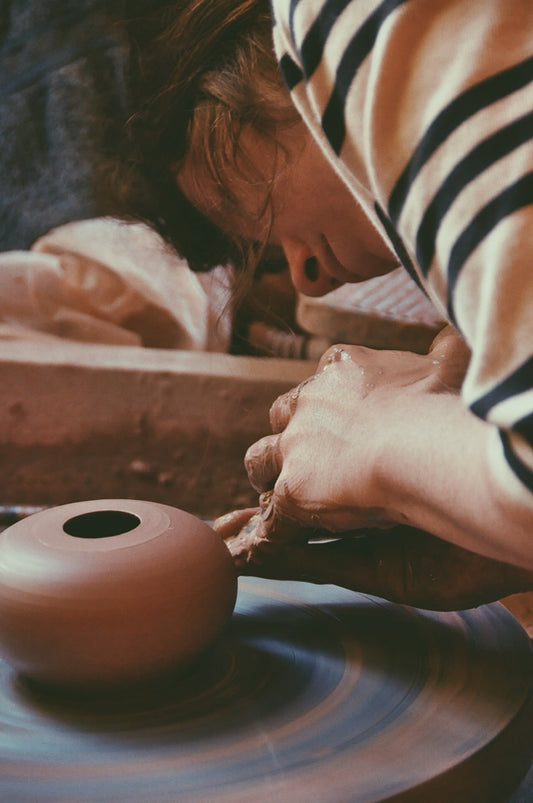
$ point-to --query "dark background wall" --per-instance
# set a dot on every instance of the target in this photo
(62, 104)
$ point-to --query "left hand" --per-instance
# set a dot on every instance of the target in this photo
(322, 463)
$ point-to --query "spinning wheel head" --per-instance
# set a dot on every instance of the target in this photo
(111, 591)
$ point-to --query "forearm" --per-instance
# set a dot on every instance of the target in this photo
(434, 472)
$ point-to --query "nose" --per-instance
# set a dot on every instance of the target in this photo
(307, 273)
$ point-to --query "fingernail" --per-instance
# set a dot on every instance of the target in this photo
(311, 268)
(267, 512)
(266, 505)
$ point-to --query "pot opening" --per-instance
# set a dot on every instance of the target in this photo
(101, 524)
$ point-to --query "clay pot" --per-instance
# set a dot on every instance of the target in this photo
(111, 592)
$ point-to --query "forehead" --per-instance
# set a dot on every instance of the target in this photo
(240, 188)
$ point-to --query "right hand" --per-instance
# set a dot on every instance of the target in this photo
(402, 564)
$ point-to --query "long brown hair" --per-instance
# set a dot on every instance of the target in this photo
(201, 71)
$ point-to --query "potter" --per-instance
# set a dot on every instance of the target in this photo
(340, 140)
(111, 592)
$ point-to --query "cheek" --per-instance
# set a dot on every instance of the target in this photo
(347, 220)
(363, 234)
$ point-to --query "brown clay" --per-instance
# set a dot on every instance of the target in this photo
(111, 592)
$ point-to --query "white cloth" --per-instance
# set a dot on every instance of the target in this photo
(106, 281)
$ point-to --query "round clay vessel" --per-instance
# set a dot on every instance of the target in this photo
(113, 591)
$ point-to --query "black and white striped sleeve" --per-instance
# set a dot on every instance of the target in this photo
(425, 108)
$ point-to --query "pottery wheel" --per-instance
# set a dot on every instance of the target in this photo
(313, 694)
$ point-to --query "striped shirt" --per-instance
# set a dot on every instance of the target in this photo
(425, 109)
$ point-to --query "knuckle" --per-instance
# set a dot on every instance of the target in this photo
(328, 354)
(278, 412)
(252, 455)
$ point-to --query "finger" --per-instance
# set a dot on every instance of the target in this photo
(257, 544)
(352, 561)
(263, 462)
(450, 355)
(245, 543)
(320, 563)
(284, 407)
(334, 355)
(250, 545)
(276, 525)
(231, 523)
(450, 344)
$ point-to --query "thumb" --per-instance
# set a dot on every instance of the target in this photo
(450, 356)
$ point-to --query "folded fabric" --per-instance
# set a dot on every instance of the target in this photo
(106, 281)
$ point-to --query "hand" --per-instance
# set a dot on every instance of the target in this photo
(322, 463)
(402, 564)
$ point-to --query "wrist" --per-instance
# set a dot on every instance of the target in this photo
(418, 464)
